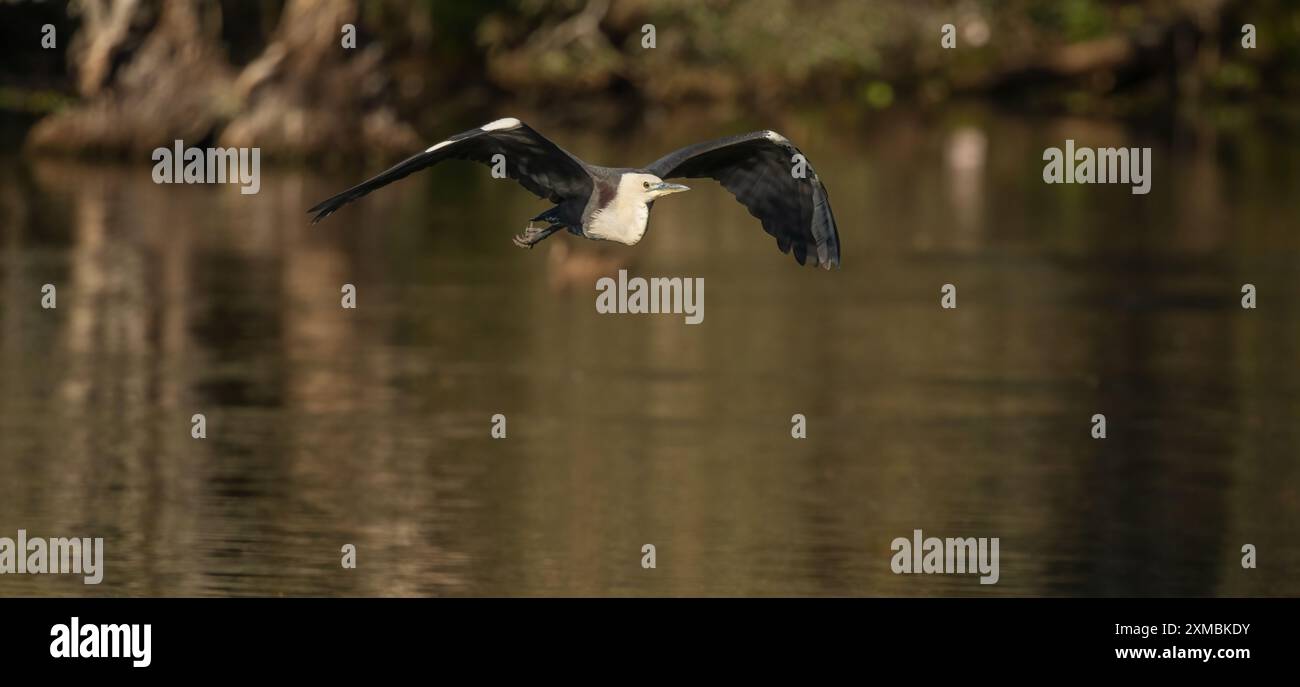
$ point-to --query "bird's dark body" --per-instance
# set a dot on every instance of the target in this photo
(574, 213)
(760, 169)
(568, 214)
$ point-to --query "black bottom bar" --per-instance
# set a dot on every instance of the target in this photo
(203, 637)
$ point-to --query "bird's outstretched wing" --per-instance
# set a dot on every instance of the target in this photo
(760, 170)
(530, 158)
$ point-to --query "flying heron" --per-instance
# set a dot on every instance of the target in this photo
(763, 170)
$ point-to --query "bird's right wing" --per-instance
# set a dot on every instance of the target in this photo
(530, 158)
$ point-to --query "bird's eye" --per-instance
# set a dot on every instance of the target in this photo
(645, 184)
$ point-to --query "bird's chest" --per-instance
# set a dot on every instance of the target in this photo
(622, 222)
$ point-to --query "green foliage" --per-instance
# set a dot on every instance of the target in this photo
(871, 54)
(1076, 20)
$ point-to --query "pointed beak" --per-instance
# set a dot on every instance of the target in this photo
(664, 188)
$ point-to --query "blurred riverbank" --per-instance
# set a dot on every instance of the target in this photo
(277, 74)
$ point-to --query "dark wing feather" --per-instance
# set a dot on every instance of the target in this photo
(757, 168)
(530, 158)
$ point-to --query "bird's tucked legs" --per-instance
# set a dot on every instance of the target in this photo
(532, 235)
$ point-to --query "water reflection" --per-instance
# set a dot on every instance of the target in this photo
(329, 426)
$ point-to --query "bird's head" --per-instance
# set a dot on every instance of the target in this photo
(649, 187)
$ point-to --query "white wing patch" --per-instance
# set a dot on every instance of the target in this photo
(507, 123)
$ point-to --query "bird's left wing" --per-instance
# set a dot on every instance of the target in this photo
(761, 170)
(530, 158)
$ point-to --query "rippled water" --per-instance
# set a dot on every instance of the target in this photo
(371, 427)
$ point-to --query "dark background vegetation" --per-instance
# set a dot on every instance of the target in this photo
(130, 72)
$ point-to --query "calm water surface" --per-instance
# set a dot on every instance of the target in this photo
(371, 427)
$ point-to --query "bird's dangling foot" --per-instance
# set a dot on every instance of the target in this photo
(532, 235)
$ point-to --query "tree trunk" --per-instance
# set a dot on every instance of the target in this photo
(308, 96)
(170, 89)
(304, 96)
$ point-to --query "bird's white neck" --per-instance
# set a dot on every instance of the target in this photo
(625, 218)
